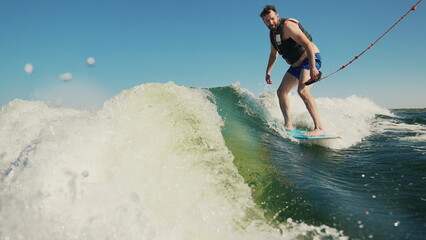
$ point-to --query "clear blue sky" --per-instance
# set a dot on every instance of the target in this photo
(204, 44)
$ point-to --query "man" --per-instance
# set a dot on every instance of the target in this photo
(294, 43)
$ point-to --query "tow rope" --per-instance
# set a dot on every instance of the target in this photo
(311, 81)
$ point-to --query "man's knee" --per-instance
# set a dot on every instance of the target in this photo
(304, 94)
(281, 92)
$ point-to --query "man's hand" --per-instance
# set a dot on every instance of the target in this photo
(268, 79)
(314, 73)
(314, 80)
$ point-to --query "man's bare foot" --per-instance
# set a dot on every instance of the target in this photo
(289, 128)
(315, 132)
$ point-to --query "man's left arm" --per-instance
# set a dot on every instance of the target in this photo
(299, 37)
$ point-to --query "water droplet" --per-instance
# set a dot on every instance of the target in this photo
(29, 68)
(90, 61)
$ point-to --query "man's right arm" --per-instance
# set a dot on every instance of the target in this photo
(272, 59)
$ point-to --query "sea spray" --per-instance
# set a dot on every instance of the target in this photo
(151, 164)
(194, 189)
(351, 117)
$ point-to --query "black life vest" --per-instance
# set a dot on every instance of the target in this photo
(288, 49)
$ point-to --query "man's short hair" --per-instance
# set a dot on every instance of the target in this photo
(267, 10)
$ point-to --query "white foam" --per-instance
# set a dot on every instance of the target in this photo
(351, 117)
(152, 164)
(417, 138)
(261, 107)
(390, 125)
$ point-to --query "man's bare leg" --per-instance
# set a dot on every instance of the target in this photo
(287, 84)
(309, 101)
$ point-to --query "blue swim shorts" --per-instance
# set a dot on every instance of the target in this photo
(295, 71)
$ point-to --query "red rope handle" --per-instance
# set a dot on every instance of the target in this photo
(368, 48)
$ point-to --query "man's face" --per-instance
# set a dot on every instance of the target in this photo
(271, 20)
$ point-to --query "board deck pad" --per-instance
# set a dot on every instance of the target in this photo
(298, 134)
